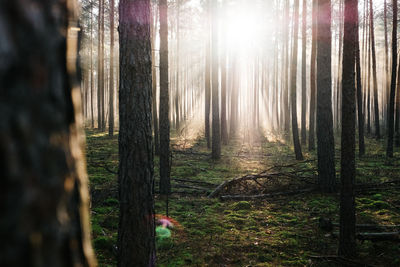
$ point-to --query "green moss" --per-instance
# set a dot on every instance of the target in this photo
(241, 205)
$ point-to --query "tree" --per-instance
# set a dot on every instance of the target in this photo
(216, 129)
(44, 185)
(100, 66)
(136, 243)
(375, 80)
(303, 75)
(165, 165)
(389, 151)
(154, 83)
(207, 79)
(311, 134)
(326, 150)
(293, 83)
(111, 96)
(347, 239)
(361, 120)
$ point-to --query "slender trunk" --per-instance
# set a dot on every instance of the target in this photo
(165, 164)
(303, 76)
(375, 79)
(311, 139)
(293, 83)
(361, 144)
(91, 68)
(216, 132)
(111, 92)
(100, 69)
(154, 24)
(389, 151)
(207, 78)
(325, 139)
(224, 130)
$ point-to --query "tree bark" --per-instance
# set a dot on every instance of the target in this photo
(304, 76)
(136, 242)
(44, 198)
(154, 83)
(311, 134)
(326, 149)
(165, 165)
(111, 92)
(293, 83)
(207, 86)
(389, 151)
(347, 240)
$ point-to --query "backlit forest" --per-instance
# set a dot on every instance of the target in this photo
(199, 133)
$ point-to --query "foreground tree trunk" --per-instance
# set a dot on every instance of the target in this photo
(136, 245)
(293, 84)
(43, 190)
(389, 151)
(165, 184)
(347, 239)
(326, 149)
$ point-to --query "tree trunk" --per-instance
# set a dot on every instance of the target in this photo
(311, 134)
(44, 198)
(389, 151)
(326, 149)
(111, 92)
(216, 134)
(293, 83)
(154, 24)
(207, 86)
(91, 67)
(347, 239)
(165, 165)
(361, 120)
(375, 80)
(100, 69)
(136, 232)
(224, 126)
(304, 76)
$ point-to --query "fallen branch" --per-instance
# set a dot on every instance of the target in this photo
(102, 166)
(194, 182)
(191, 187)
(262, 196)
(340, 260)
(371, 226)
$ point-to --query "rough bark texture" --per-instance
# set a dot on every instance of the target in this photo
(326, 153)
(389, 151)
(165, 169)
(311, 134)
(216, 129)
(111, 91)
(43, 187)
(293, 83)
(347, 240)
(136, 245)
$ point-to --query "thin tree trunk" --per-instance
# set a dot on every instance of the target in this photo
(154, 24)
(91, 67)
(111, 92)
(326, 149)
(216, 130)
(361, 144)
(304, 76)
(100, 69)
(293, 83)
(165, 164)
(136, 229)
(389, 151)
(375, 79)
(207, 78)
(311, 139)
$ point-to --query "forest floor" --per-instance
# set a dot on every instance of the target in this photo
(277, 231)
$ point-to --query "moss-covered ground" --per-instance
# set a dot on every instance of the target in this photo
(280, 231)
